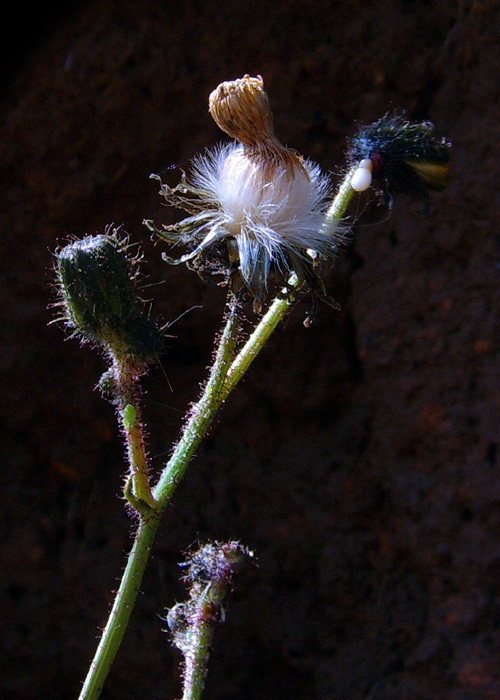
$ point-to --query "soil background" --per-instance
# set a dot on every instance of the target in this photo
(359, 459)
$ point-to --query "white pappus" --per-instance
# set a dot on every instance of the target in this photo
(271, 213)
(266, 200)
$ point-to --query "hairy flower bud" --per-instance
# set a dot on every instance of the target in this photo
(396, 155)
(96, 286)
(97, 289)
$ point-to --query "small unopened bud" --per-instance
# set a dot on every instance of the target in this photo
(97, 289)
(96, 286)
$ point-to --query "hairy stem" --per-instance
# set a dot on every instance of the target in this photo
(201, 634)
(137, 455)
(196, 427)
(122, 608)
(255, 343)
(339, 205)
(224, 377)
(202, 413)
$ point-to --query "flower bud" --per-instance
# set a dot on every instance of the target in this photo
(396, 155)
(97, 289)
(96, 286)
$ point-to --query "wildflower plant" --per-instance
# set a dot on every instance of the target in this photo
(266, 222)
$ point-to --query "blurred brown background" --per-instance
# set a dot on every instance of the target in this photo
(359, 458)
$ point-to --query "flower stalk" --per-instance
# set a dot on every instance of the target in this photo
(202, 415)
(140, 490)
(210, 573)
(228, 369)
(203, 412)
(122, 608)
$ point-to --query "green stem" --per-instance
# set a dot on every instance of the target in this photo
(137, 455)
(223, 379)
(202, 413)
(201, 635)
(201, 417)
(122, 608)
(339, 205)
(255, 343)
(126, 390)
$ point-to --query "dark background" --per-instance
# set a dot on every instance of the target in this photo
(359, 458)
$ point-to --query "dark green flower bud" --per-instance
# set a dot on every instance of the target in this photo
(97, 287)
(400, 156)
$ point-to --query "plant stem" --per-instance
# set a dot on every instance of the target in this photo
(224, 376)
(201, 416)
(339, 205)
(202, 413)
(126, 390)
(137, 459)
(122, 608)
(201, 635)
(255, 343)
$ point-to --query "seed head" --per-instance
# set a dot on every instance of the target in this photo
(265, 200)
(241, 109)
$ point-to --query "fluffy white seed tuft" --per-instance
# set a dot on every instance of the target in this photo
(284, 211)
